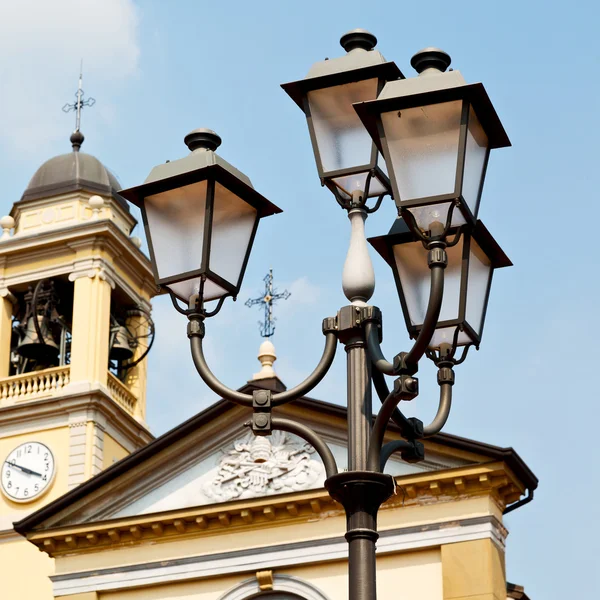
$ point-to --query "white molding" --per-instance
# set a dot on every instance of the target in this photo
(91, 403)
(281, 583)
(62, 245)
(10, 535)
(271, 557)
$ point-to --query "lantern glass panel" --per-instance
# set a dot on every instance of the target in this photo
(429, 213)
(423, 147)
(415, 278)
(176, 227)
(445, 335)
(232, 226)
(349, 183)
(186, 289)
(475, 157)
(480, 271)
(341, 138)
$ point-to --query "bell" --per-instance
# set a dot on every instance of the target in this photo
(120, 348)
(44, 350)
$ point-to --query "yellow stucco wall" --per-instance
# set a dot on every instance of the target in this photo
(112, 452)
(473, 570)
(407, 575)
(24, 571)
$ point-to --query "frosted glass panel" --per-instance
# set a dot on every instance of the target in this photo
(480, 270)
(476, 152)
(446, 336)
(411, 261)
(342, 139)
(349, 183)
(233, 221)
(176, 223)
(186, 289)
(429, 213)
(423, 147)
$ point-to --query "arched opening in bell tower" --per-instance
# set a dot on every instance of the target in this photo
(41, 325)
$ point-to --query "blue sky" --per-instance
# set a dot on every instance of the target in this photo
(160, 69)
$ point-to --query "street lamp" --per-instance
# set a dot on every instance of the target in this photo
(472, 258)
(435, 132)
(200, 215)
(347, 159)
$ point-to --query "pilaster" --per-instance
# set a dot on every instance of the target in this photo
(6, 310)
(77, 450)
(473, 570)
(137, 376)
(91, 327)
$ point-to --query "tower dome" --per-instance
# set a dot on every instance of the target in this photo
(72, 172)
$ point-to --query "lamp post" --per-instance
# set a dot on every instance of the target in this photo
(435, 133)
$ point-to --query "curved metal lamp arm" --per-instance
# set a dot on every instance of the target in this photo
(434, 306)
(374, 348)
(389, 449)
(389, 410)
(312, 437)
(383, 392)
(379, 428)
(442, 413)
(436, 294)
(196, 335)
(315, 377)
(209, 378)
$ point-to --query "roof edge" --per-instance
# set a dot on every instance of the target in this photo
(507, 455)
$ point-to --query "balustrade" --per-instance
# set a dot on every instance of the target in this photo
(34, 385)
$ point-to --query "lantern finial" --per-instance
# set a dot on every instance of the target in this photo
(202, 138)
(430, 58)
(358, 38)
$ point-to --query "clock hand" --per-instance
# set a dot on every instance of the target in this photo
(24, 469)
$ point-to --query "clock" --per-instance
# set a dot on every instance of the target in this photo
(27, 472)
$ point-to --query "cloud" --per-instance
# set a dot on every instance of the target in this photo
(41, 45)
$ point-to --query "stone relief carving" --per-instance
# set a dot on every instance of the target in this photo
(259, 466)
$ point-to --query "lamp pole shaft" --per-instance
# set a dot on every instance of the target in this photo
(361, 528)
(359, 402)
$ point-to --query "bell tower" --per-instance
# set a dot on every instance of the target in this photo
(75, 331)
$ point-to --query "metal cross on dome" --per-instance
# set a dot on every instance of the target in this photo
(271, 295)
(80, 102)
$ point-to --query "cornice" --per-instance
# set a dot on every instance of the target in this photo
(258, 561)
(94, 399)
(491, 479)
(102, 237)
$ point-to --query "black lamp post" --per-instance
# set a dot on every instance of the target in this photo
(435, 133)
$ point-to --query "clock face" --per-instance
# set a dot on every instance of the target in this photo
(27, 472)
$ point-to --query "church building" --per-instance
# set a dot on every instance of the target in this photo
(92, 507)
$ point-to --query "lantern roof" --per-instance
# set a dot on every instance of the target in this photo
(361, 62)
(400, 233)
(432, 87)
(194, 167)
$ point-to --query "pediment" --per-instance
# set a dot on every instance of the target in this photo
(212, 459)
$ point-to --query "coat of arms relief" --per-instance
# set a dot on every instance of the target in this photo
(259, 466)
